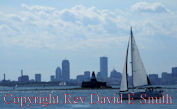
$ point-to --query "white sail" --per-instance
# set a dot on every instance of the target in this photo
(124, 81)
(138, 70)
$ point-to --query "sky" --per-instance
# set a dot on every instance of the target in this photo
(36, 35)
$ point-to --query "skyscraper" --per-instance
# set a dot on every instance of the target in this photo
(65, 70)
(58, 74)
(103, 68)
(37, 77)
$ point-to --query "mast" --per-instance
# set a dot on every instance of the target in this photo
(131, 35)
(127, 64)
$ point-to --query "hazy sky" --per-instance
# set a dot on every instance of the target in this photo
(36, 35)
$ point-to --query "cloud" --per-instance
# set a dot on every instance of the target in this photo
(80, 27)
(41, 26)
(38, 8)
(155, 7)
(68, 16)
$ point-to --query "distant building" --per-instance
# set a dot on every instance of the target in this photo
(154, 79)
(37, 77)
(166, 78)
(58, 74)
(21, 72)
(174, 70)
(98, 76)
(153, 76)
(65, 70)
(86, 75)
(31, 80)
(115, 75)
(103, 68)
(52, 78)
(174, 73)
(93, 83)
(23, 78)
(4, 77)
(80, 78)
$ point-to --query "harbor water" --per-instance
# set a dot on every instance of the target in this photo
(63, 98)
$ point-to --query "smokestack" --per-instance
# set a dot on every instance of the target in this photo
(21, 72)
(4, 76)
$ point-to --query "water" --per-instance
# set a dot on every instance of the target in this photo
(85, 94)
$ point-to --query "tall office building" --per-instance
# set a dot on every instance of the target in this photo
(58, 74)
(65, 70)
(37, 77)
(103, 68)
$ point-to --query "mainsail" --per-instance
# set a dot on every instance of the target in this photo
(138, 70)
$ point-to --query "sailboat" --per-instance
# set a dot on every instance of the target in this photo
(140, 79)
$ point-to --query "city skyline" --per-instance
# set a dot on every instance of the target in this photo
(37, 35)
(115, 77)
(64, 75)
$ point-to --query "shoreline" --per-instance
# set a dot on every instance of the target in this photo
(52, 89)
